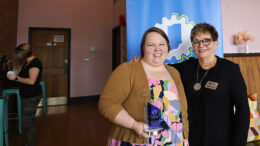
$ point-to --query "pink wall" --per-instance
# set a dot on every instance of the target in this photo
(91, 23)
(118, 9)
(237, 15)
(240, 15)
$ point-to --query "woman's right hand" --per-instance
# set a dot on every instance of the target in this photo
(138, 127)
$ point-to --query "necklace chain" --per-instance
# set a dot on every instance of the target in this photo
(197, 85)
(198, 75)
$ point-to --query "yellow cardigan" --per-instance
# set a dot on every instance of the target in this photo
(128, 88)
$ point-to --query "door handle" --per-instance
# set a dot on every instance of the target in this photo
(66, 66)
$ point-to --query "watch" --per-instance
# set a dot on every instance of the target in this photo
(16, 79)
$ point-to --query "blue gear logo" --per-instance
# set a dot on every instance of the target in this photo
(184, 48)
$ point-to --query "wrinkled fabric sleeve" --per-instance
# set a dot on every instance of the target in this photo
(115, 92)
(238, 93)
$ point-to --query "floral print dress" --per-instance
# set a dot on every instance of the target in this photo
(164, 95)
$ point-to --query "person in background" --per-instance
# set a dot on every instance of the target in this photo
(214, 87)
(132, 85)
(27, 72)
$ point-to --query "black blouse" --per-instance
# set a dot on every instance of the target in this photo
(27, 90)
(212, 119)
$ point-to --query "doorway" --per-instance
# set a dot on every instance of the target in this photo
(119, 52)
(52, 47)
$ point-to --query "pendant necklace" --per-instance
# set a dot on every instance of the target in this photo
(197, 85)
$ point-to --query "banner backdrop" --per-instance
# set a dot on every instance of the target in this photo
(176, 18)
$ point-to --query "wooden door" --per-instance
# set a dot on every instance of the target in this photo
(116, 48)
(51, 46)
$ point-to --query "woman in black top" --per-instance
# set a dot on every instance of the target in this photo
(214, 87)
(28, 70)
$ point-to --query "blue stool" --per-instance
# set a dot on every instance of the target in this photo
(1, 121)
(3, 116)
(7, 93)
(44, 98)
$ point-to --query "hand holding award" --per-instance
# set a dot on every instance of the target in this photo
(153, 119)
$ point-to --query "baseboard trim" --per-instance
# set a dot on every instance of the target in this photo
(83, 99)
(54, 101)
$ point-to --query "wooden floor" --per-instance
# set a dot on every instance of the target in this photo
(74, 125)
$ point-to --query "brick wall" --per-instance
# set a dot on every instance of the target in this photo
(8, 26)
(8, 34)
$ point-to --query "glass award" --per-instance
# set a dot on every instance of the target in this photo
(152, 119)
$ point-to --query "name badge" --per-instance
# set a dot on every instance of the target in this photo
(211, 85)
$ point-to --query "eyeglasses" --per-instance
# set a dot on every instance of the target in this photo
(205, 42)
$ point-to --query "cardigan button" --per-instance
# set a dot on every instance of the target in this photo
(145, 94)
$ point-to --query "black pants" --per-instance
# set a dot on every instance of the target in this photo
(29, 106)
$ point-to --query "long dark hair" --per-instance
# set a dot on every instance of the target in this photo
(20, 54)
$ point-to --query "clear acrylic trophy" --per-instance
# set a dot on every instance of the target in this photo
(152, 119)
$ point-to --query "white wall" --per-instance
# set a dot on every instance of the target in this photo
(240, 15)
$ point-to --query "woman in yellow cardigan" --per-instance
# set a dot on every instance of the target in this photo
(132, 85)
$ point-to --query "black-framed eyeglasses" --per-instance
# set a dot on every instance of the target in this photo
(205, 42)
